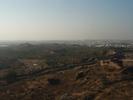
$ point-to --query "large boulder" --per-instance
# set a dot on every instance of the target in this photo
(53, 81)
(80, 75)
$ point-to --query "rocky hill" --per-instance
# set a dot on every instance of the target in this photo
(65, 72)
(86, 82)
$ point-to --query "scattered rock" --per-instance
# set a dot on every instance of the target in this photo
(128, 70)
(80, 75)
(54, 81)
(66, 96)
(127, 73)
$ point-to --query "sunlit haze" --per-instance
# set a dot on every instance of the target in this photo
(66, 19)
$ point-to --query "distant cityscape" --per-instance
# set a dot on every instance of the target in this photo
(89, 43)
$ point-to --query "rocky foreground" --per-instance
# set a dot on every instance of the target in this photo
(85, 82)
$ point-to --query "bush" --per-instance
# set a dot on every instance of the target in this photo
(11, 76)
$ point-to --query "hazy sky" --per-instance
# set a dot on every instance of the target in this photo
(66, 19)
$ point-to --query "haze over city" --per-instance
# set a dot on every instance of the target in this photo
(66, 49)
(66, 19)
